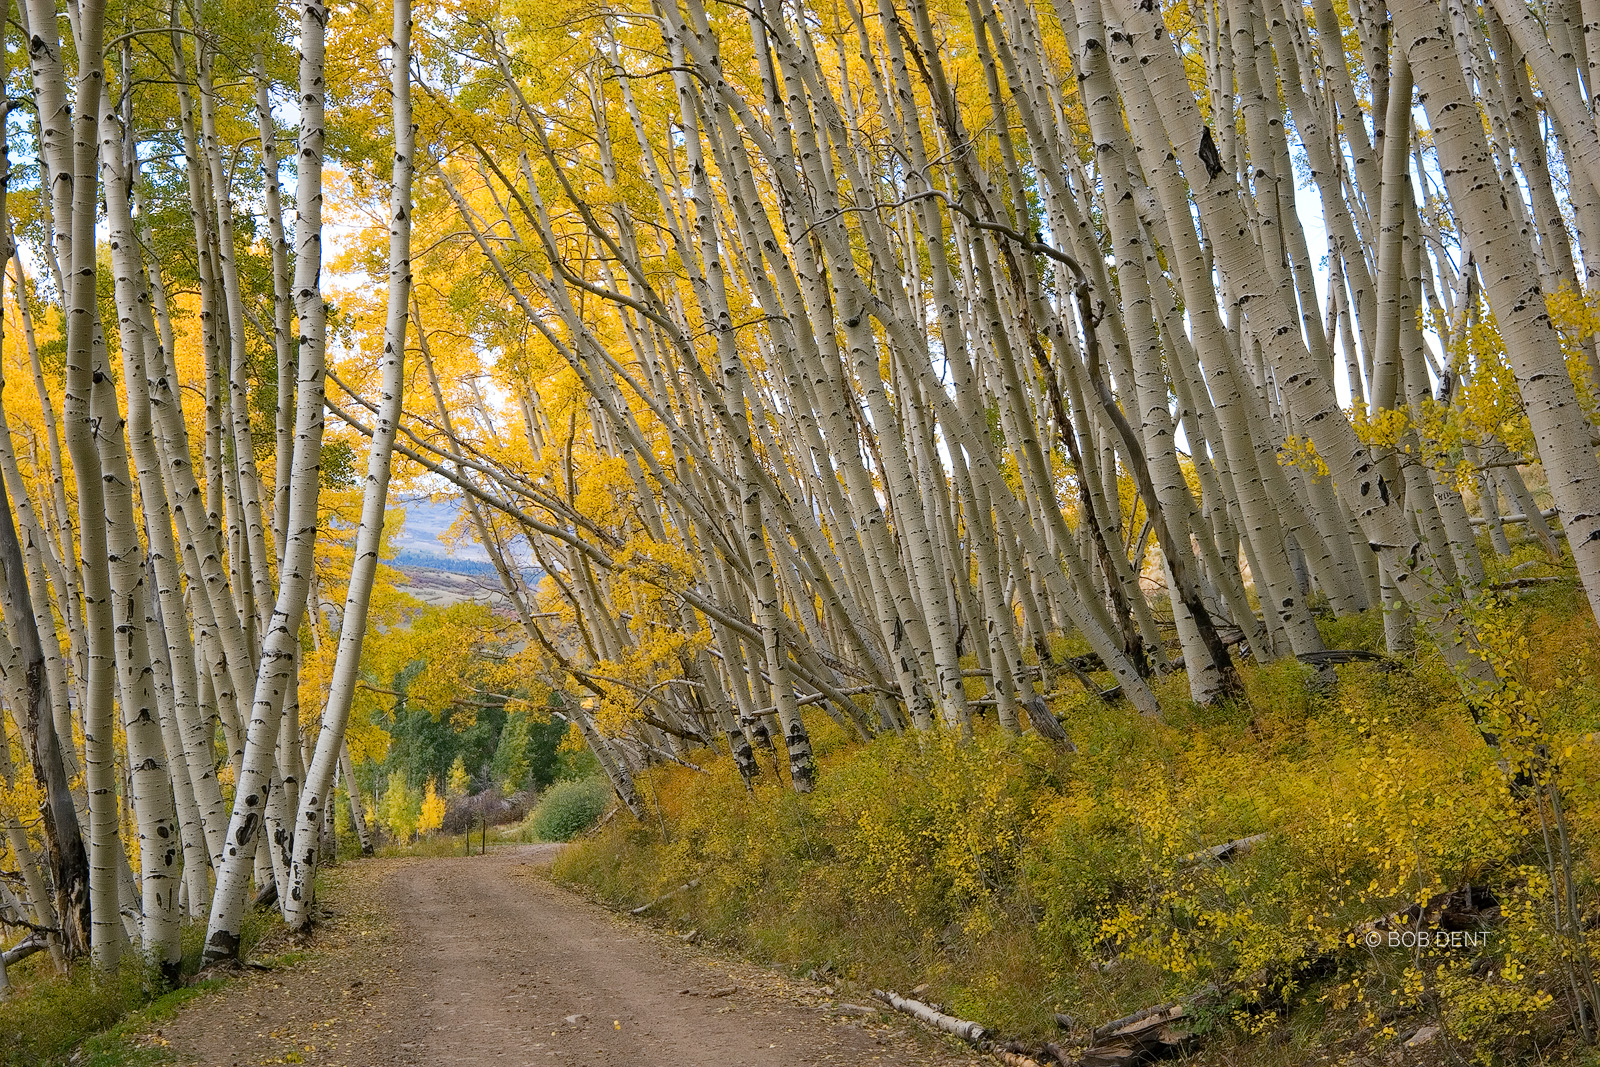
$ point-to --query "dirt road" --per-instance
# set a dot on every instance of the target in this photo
(474, 960)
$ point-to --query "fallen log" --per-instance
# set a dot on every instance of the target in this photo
(1139, 1022)
(1021, 1055)
(1548, 513)
(963, 1028)
(1110, 1056)
(1148, 1034)
(1466, 908)
(1224, 852)
(601, 825)
(1528, 583)
(34, 942)
(1057, 1053)
(1340, 655)
(664, 897)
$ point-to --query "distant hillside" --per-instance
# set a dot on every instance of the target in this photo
(442, 581)
(412, 558)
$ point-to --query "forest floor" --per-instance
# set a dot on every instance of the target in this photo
(480, 959)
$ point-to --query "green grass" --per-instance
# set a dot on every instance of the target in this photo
(434, 844)
(125, 1044)
(437, 843)
(50, 1016)
(101, 1017)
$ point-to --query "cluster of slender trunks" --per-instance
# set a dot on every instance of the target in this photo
(168, 603)
(925, 339)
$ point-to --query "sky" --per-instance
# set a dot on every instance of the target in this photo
(426, 527)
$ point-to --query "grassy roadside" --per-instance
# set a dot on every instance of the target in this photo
(52, 1016)
(112, 1020)
(1012, 880)
(129, 1043)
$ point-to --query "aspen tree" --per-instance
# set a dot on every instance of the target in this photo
(375, 494)
(254, 798)
(75, 186)
(26, 670)
(1510, 282)
(149, 774)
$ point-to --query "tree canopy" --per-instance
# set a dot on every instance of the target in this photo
(899, 366)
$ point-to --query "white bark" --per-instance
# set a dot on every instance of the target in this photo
(149, 772)
(1511, 283)
(75, 185)
(253, 793)
(375, 495)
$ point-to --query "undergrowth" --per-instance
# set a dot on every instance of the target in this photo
(568, 809)
(1015, 879)
(90, 1019)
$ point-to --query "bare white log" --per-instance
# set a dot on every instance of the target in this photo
(965, 1029)
(664, 897)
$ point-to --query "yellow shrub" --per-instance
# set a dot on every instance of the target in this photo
(1017, 878)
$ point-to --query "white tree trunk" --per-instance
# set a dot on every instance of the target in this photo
(253, 793)
(375, 496)
(1510, 279)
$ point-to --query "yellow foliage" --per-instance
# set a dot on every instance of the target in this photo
(572, 742)
(1002, 871)
(1298, 451)
(1577, 319)
(400, 809)
(431, 814)
(459, 781)
(21, 796)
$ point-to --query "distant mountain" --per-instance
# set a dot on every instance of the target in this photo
(427, 526)
(441, 570)
(410, 559)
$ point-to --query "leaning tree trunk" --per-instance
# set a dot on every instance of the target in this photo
(369, 535)
(1267, 313)
(253, 793)
(358, 814)
(63, 839)
(1511, 282)
(82, 326)
(149, 773)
